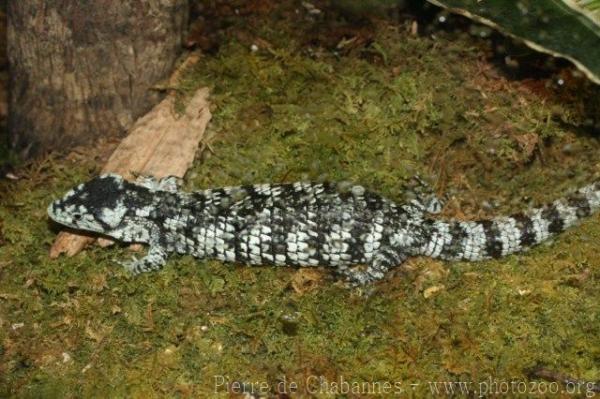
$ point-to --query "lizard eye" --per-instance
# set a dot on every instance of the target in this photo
(77, 216)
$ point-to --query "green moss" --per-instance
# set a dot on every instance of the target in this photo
(289, 112)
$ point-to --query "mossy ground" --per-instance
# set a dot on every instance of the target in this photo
(375, 112)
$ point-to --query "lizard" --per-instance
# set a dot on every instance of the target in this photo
(359, 233)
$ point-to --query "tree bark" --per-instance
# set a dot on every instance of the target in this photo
(80, 70)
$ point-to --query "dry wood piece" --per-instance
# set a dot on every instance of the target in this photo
(161, 143)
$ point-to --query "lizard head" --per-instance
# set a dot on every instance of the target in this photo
(97, 206)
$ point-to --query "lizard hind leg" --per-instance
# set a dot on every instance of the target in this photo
(383, 260)
(425, 199)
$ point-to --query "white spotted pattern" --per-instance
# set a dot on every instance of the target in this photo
(300, 224)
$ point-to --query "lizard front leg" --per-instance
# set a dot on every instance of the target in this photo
(169, 183)
(154, 260)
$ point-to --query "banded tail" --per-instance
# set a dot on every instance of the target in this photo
(478, 240)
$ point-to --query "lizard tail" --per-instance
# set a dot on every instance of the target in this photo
(485, 239)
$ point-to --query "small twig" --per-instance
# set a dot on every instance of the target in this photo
(204, 144)
(551, 375)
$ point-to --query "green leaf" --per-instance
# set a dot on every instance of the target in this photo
(562, 28)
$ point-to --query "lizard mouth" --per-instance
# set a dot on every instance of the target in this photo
(52, 210)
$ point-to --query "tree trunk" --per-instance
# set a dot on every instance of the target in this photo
(84, 69)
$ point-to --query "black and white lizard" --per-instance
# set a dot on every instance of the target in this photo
(358, 233)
